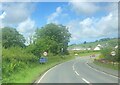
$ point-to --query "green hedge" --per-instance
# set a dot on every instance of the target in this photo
(15, 59)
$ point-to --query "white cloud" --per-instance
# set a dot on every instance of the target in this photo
(87, 8)
(53, 16)
(27, 28)
(95, 27)
(16, 12)
(106, 26)
(2, 16)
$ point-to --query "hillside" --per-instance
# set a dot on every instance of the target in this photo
(110, 42)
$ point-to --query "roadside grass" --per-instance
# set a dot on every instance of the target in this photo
(88, 53)
(84, 53)
(33, 71)
(109, 65)
(105, 64)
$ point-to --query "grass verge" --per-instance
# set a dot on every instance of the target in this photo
(88, 53)
(109, 65)
(84, 53)
(32, 72)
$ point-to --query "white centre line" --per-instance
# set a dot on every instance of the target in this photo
(85, 80)
(77, 73)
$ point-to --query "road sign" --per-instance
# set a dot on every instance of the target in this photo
(113, 53)
(45, 53)
(43, 60)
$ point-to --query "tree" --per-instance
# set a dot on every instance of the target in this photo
(53, 38)
(84, 42)
(104, 39)
(11, 37)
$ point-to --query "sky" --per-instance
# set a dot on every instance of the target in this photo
(87, 21)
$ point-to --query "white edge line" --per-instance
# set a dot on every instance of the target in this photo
(85, 80)
(100, 71)
(77, 73)
(45, 74)
(74, 65)
(50, 70)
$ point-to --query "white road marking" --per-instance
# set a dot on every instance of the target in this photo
(77, 73)
(100, 71)
(45, 74)
(74, 69)
(85, 80)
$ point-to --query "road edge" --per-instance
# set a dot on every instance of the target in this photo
(46, 71)
(102, 71)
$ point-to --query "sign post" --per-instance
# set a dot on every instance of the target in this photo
(43, 59)
(45, 53)
(113, 54)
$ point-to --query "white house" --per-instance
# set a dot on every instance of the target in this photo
(99, 45)
(97, 48)
(88, 48)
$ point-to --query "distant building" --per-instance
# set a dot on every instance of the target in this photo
(88, 48)
(99, 45)
(76, 48)
(97, 48)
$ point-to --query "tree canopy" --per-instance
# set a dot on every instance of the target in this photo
(11, 37)
(52, 38)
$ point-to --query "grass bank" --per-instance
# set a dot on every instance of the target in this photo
(84, 53)
(107, 65)
(31, 72)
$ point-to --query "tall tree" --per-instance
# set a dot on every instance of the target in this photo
(55, 38)
(84, 42)
(11, 37)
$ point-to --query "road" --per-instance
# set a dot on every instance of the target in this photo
(76, 71)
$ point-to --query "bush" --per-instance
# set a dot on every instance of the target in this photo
(106, 52)
(16, 59)
(17, 53)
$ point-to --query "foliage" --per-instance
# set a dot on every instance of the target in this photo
(84, 42)
(84, 52)
(52, 38)
(106, 52)
(15, 59)
(21, 66)
(16, 56)
(107, 65)
(112, 42)
(10, 37)
(104, 39)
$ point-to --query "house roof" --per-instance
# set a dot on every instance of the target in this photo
(97, 48)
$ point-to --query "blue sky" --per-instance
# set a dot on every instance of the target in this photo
(88, 21)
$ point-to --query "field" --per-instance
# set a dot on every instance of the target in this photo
(112, 42)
